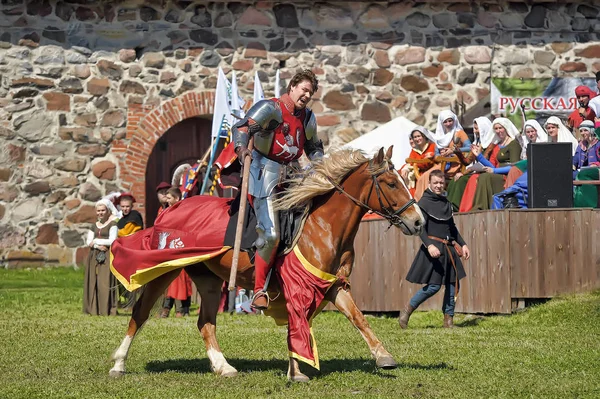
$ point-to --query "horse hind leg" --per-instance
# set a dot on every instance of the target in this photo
(141, 311)
(342, 299)
(209, 288)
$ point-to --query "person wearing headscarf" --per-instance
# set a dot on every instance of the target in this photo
(449, 137)
(420, 158)
(484, 148)
(100, 294)
(131, 221)
(533, 132)
(492, 181)
(584, 94)
(586, 153)
(449, 134)
(586, 162)
(438, 260)
(559, 133)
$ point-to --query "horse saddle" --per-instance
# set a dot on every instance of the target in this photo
(291, 222)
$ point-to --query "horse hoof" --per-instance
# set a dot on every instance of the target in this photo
(298, 378)
(229, 373)
(386, 363)
(116, 373)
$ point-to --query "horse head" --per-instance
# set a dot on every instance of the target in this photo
(387, 195)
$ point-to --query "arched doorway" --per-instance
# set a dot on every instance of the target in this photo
(184, 142)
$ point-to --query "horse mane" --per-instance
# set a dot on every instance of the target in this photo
(314, 182)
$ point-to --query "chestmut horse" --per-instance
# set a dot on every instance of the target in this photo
(341, 189)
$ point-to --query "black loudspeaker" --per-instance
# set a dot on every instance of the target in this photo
(550, 175)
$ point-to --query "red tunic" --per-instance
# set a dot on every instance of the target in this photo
(181, 287)
(289, 136)
(575, 118)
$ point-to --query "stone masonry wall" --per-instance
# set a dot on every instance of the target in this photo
(86, 88)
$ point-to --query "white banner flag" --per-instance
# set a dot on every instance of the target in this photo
(277, 87)
(237, 103)
(222, 118)
(258, 90)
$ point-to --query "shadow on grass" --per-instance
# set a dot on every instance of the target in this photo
(247, 365)
(472, 322)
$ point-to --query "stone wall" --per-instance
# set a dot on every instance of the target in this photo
(86, 88)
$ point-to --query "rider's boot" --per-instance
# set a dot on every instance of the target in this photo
(260, 301)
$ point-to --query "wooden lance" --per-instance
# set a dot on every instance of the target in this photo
(241, 217)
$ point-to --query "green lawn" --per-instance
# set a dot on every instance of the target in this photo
(49, 349)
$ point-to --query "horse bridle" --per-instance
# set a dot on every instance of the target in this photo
(389, 214)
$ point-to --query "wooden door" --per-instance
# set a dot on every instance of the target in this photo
(185, 142)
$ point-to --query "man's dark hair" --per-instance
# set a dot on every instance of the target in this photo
(597, 76)
(175, 192)
(308, 75)
(437, 173)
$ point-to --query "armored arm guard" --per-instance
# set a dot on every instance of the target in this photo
(264, 115)
(313, 146)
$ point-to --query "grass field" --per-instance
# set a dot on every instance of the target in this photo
(49, 349)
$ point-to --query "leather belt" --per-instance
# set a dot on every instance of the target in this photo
(458, 250)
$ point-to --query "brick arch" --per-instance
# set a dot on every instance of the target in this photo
(145, 125)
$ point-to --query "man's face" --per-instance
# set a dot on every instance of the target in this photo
(436, 184)
(301, 94)
(583, 100)
(162, 196)
(126, 206)
(170, 199)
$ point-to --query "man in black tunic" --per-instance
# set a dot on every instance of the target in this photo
(438, 260)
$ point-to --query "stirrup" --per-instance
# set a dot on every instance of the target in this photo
(261, 294)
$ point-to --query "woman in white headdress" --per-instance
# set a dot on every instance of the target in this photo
(533, 132)
(449, 135)
(509, 152)
(559, 133)
(100, 293)
(484, 151)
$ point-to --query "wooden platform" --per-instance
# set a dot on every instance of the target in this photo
(516, 255)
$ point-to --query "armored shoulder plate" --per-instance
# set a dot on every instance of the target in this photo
(266, 114)
(310, 125)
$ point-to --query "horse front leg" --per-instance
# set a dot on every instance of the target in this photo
(141, 311)
(209, 288)
(342, 299)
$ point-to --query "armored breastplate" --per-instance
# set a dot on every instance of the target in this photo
(286, 142)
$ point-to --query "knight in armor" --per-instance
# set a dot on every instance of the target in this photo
(283, 128)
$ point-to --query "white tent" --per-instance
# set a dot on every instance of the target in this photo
(395, 133)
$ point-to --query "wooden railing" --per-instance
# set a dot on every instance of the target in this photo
(515, 255)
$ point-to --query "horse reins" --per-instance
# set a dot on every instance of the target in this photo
(391, 215)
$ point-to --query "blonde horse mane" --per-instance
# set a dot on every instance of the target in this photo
(314, 182)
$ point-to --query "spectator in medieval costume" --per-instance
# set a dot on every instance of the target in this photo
(283, 129)
(584, 94)
(559, 133)
(161, 193)
(533, 132)
(449, 136)
(438, 261)
(586, 153)
(492, 180)
(483, 149)
(100, 293)
(422, 150)
(586, 196)
(131, 221)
